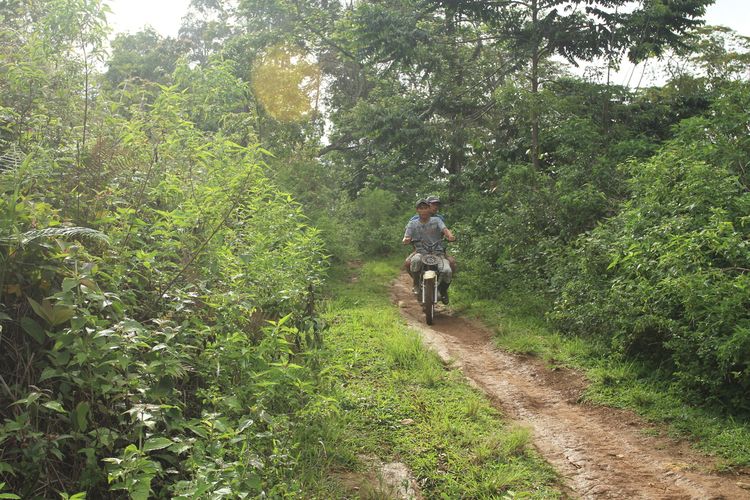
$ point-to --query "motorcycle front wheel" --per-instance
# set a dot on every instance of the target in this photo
(428, 304)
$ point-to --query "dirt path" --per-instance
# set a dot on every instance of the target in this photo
(599, 452)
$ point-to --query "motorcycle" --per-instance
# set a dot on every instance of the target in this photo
(429, 277)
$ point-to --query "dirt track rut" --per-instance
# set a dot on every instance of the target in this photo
(599, 452)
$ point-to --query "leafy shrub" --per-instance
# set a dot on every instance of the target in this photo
(379, 220)
(156, 318)
(667, 278)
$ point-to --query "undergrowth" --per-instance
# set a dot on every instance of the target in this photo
(399, 403)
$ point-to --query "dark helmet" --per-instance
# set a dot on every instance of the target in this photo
(433, 199)
(421, 202)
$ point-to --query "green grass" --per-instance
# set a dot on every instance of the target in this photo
(518, 320)
(399, 403)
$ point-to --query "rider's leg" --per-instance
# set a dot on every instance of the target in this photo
(446, 276)
(415, 268)
(452, 262)
(407, 260)
(414, 283)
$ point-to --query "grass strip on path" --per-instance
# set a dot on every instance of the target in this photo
(400, 404)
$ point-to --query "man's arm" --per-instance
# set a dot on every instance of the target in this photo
(444, 229)
(408, 233)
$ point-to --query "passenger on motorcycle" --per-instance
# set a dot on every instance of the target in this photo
(426, 234)
(435, 204)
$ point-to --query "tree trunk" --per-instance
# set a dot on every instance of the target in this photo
(534, 77)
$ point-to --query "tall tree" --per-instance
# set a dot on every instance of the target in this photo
(584, 30)
(145, 56)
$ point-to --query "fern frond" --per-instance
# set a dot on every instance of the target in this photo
(10, 158)
(74, 232)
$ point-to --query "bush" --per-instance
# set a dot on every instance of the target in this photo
(379, 220)
(668, 278)
(137, 350)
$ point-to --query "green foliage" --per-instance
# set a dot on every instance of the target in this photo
(719, 54)
(48, 53)
(379, 220)
(200, 284)
(143, 57)
(157, 290)
(666, 279)
(217, 100)
(400, 403)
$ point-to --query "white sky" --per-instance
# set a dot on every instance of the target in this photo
(734, 14)
(165, 15)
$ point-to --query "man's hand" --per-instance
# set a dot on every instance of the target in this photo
(406, 240)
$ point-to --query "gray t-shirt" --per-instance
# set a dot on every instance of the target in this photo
(427, 237)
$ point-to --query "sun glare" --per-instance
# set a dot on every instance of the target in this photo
(286, 83)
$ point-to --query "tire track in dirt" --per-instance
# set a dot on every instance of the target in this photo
(599, 452)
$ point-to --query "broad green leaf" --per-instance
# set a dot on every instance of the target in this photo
(197, 429)
(32, 397)
(54, 405)
(68, 284)
(180, 448)
(33, 328)
(77, 322)
(48, 373)
(91, 284)
(80, 414)
(6, 468)
(52, 314)
(141, 489)
(62, 313)
(43, 310)
(283, 320)
(614, 262)
(157, 443)
(254, 481)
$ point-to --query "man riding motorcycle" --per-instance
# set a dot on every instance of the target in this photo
(435, 204)
(426, 233)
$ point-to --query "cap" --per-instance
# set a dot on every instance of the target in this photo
(422, 202)
(433, 199)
